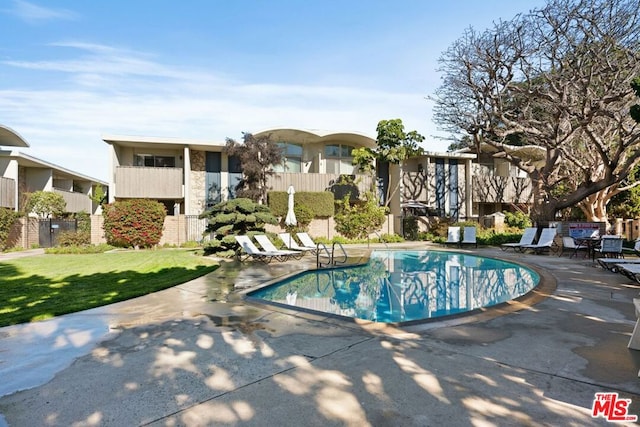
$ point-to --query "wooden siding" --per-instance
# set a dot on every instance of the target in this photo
(312, 181)
(500, 189)
(7, 193)
(76, 202)
(150, 183)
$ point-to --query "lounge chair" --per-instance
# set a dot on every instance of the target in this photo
(306, 240)
(527, 239)
(469, 236)
(610, 247)
(268, 246)
(453, 236)
(252, 251)
(546, 241)
(291, 244)
(611, 264)
(631, 270)
(569, 244)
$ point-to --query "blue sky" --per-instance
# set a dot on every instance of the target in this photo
(74, 70)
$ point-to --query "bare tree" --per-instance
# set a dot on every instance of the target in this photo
(558, 78)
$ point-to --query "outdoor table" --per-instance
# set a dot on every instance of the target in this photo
(591, 243)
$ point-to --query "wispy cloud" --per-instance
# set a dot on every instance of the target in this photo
(116, 91)
(33, 13)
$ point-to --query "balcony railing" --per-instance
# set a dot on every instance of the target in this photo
(151, 183)
(500, 189)
(7, 193)
(76, 202)
(313, 181)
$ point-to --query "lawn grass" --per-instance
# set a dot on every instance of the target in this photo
(40, 287)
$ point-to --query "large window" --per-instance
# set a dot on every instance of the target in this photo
(292, 158)
(151, 160)
(339, 159)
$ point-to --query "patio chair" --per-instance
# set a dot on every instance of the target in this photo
(469, 236)
(306, 240)
(527, 239)
(252, 251)
(291, 244)
(453, 236)
(569, 244)
(610, 247)
(268, 246)
(546, 241)
(635, 250)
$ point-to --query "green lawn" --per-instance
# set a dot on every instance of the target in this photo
(40, 287)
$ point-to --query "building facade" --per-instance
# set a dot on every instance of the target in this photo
(22, 173)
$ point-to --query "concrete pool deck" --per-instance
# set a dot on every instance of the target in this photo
(195, 355)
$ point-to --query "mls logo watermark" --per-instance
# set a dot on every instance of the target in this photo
(610, 407)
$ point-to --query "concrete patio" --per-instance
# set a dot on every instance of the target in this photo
(196, 355)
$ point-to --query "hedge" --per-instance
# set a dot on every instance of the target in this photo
(321, 202)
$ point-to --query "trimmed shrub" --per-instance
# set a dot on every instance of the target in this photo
(74, 238)
(134, 223)
(237, 217)
(321, 203)
(7, 219)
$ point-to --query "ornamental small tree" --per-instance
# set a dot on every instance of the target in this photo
(134, 223)
(359, 220)
(237, 217)
(45, 204)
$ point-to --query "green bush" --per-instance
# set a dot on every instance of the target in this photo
(517, 219)
(7, 219)
(134, 223)
(360, 219)
(74, 238)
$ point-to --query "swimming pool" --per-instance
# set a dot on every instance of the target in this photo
(403, 286)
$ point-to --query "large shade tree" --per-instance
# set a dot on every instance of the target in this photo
(557, 78)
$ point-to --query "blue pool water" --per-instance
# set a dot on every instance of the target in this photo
(403, 286)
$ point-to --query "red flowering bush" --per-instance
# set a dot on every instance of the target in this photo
(134, 223)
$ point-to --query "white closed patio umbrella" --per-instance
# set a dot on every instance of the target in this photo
(290, 219)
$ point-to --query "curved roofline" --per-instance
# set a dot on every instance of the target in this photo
(11, 138)
(364, 139)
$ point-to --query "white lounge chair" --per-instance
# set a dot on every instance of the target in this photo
(306, 240)
(453, 236)
(569, 244)
(469, 236)
(252, 251)
(290, 243)
(546, 241)
(527, 239)
(268, 246)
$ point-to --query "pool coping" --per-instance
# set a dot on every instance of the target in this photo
(545, 288)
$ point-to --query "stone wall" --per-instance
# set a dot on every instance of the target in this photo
(197, 182)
